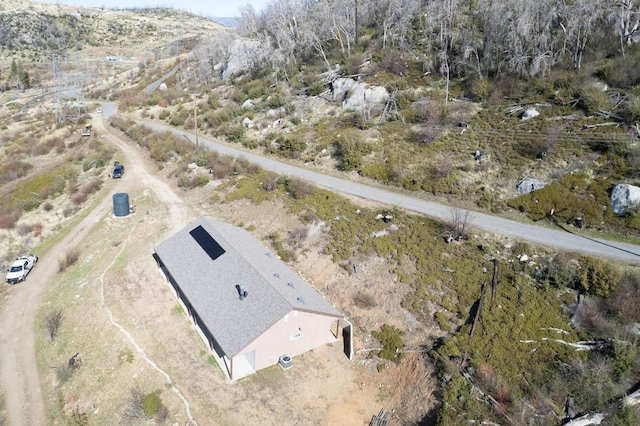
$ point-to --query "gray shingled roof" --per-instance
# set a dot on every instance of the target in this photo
(273, 289)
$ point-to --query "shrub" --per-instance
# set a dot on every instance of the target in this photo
(78, 418)
(625, 416)
(24, 229)
(53, 320)
(192, 181)
(152, 404)
(270, 181)
(9, 218)
(256, 88)
(30, 204)
(125, 356)
(64, 372)
(391, 339)
(276, 100)
(291, 146)
(234, 133)
(479, 89)
(178, 117)
(14, 170)
(597, 277)
(442, 321)
(278, 246)
(164, 114)
(593, 100)
(70, 258)
(79, 198)
(297, 236)
(393, 62)
(380, 171)
(622, 357)
(316, 88)
(69, 211)
(364, 300)
(37, 229)
(623, 303)
(299, 188)
(350, 148)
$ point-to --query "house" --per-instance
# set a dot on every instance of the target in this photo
(249, 307)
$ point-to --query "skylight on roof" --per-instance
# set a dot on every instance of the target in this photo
(206, 241)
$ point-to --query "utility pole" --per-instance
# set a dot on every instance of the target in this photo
(195, 117)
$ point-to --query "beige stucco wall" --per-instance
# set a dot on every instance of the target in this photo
(296, 333)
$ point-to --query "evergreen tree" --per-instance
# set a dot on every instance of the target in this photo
(14, 69)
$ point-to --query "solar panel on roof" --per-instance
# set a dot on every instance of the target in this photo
(206, 241)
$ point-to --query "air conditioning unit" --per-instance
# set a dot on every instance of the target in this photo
(285, 362)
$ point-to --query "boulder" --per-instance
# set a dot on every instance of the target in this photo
(529, 113)
(528, 185)
(248, 104)
(356, 95)
(623, 197)
(276, 112)
(243, 54)
(247, 123)
(162, 87)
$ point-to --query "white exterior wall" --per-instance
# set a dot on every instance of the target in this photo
(296, 333)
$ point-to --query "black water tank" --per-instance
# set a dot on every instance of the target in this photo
(121, 204)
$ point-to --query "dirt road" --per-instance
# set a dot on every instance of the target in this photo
(557, 238)
(18, 373)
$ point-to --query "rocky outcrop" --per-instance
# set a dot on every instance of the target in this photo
(356, 96)
(244, 54)
(624, 197)
(529, 113)
(527, 185)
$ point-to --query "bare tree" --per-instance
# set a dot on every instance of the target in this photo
(395, 18)
(459, 223)
(343, 25)
(520, 35)
(578, 22)
(132, 409)
(53, 320)
(627, 20)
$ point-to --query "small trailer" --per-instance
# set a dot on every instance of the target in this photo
(87, 129)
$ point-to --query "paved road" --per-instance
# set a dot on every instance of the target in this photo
(559, 239)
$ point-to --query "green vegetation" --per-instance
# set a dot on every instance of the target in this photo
(125, 356)
(152, 404)
(520, 355)
(391, 339)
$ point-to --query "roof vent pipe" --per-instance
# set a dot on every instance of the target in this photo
(241, 291)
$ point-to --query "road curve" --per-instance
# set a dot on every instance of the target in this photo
(559, 239)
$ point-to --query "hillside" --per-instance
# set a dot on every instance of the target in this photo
(476, 328)
(32, 31)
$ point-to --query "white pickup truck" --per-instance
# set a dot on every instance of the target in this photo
(20, 268)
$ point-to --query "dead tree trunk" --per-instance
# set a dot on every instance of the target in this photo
(494, 283)
(477, 317)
